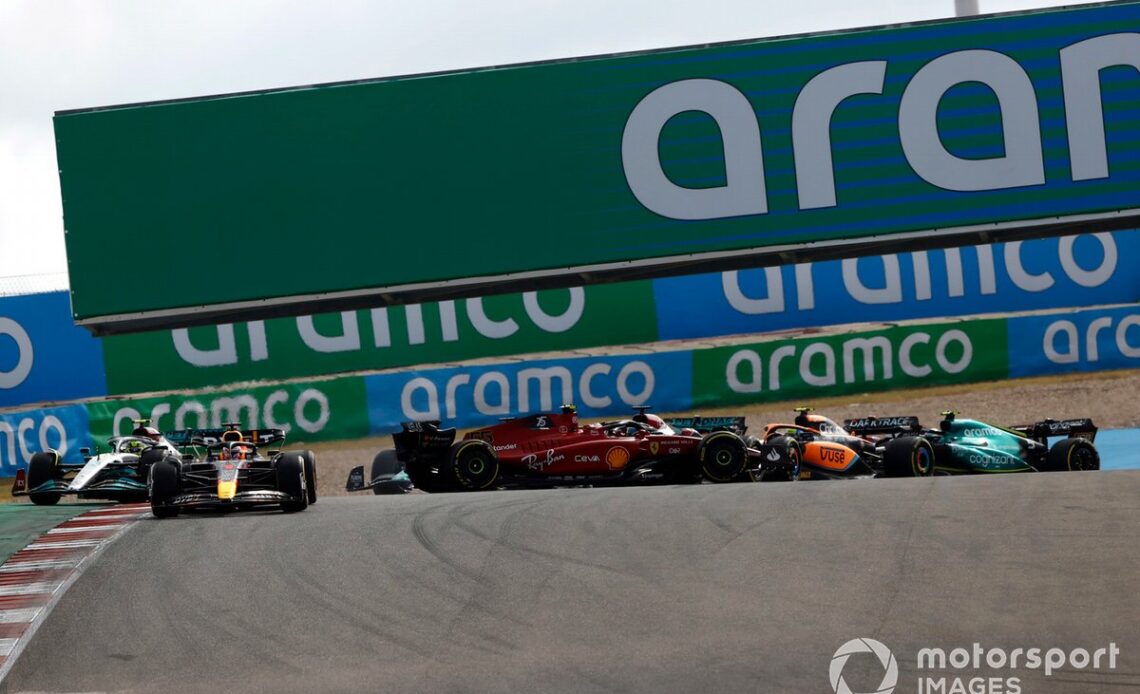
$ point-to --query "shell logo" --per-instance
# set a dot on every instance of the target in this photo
(617, 457)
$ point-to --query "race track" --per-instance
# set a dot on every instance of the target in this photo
(672, 589)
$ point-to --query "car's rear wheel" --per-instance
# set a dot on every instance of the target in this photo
(723, 457)
(473, 465)
(291, 481)
(790, 471)
(908, 456)
(42, 468)
(1071, 454)
(165, 483)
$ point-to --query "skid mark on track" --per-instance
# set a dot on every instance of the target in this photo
(500, 540)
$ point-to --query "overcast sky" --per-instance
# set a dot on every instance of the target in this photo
(65, 54)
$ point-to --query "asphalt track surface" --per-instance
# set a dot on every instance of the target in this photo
(741, 588)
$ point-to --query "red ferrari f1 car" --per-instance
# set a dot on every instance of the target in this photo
(555, 450)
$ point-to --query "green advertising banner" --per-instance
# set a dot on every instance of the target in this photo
(313, 411)
(446, 185)
(822, 366)
(381, 338)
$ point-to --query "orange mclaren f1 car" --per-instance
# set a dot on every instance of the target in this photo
(827, 450)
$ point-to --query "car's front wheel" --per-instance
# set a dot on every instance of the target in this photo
(43, 468)
(908, 456)
(165, 483)
(310, 462)
(723, 457)
(790, 470)
(291, 481)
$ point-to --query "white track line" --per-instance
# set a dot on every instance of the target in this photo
(20, 616)
(11, 567)
(84, 529)
(45, 587)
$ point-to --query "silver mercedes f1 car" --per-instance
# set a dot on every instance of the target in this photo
(119, 474)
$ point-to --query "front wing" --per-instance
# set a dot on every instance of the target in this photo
(253, 497)
(110, 488)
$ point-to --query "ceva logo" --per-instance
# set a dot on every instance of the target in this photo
(864, 645)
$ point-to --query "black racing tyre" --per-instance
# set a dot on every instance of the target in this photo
(43, 467)
(149, 457)
(795, 454)
(473, 466)
(722, 456)
(291, 480)
(908, 456)
(385, 464)
(310, 460)
(164, 483)
(1071, 454)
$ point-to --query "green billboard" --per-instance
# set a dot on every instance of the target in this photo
(381, 338)
(309, 411)
(352, 195)
(821, 366)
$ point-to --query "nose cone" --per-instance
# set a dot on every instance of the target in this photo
(227, 489)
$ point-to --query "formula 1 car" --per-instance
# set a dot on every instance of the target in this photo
(233, 474)
(120, 474)
(830, 451)
(961, 446)
(388, 476)
(554, 450)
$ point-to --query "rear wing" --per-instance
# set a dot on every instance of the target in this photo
(213, 437)
(422, 440)
(705, 425)
(1041, 431)
(871, 426)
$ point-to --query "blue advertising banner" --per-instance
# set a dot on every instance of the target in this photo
(476, 395)
(1093, 340)
(23, 434)
(44, 357)
(1082, 270)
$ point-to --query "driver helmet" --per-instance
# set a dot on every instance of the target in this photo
(812, 421)
(235, 450)
(650, 420)
(572, 410)
(133, 446)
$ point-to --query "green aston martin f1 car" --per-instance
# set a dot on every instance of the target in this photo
(961, 446)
